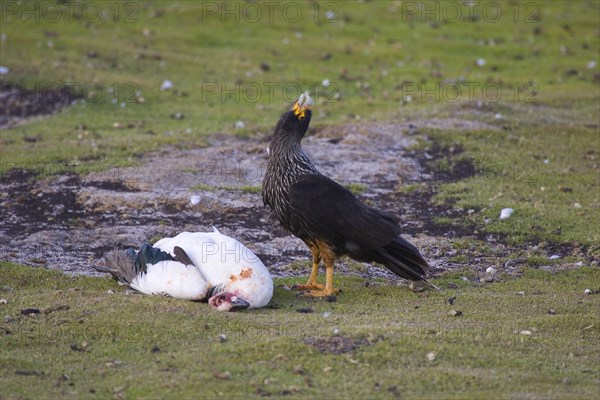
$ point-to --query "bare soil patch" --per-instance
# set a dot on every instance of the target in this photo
(19, 103)
(69, 222)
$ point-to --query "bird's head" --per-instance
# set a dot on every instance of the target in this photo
(301, 108)
(293, 124)
(226, 301)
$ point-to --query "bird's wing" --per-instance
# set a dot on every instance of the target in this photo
(329, 210)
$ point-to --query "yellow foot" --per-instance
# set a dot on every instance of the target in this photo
(322, 293)
(308, 286)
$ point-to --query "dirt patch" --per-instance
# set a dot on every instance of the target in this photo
(69, 222)
(18, 103)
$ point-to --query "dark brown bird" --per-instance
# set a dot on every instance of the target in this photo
(327, 216)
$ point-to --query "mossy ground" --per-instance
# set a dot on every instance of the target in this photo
(140, 346)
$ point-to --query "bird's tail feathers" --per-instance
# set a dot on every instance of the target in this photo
(404, 260)
(121, 265)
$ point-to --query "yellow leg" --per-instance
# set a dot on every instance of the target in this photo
(312, 281)
(328, 290)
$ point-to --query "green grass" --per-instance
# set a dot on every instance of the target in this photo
(374, 44)
(547, 173)
(356, 188)
(480, 354)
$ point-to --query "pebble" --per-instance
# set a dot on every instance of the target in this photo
(222, 375)
(240, 125)
(326, 314)
(325, 83)
(336, 331)
(490, 273)
(3, 301)
(521, 293)
(526, 332)
(194, 199)
(480, 62)
(591, 64)
(4, 70)
(8, 318)
(551, 311)
(430, 356)
(166, 85)
(577, 205)
(506, 213)
(554, 257)
(587, 291)
(455, 313)
(222, 338)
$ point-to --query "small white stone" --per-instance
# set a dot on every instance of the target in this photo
(498, 116)
(526, 332)
(240, 125)
(330, 15)
(325, 82)
(326, 314)
(506, 213)
(3, 301)
(577, 205)
(490, 271)
(591, 64)
(521, 293)
(336, 331)
(587, 291)
(166, 85)
(554, 257)
(480, 62)
(430, 356)
(194, 199)
(4, 70)
(546, 161)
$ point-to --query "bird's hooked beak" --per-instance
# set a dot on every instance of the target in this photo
(299, 108)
